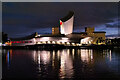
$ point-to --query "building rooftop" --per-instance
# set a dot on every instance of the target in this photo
(25, 38)
(99, 32)
(70, 14)
(79, 33)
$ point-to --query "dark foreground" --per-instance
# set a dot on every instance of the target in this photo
(85, 64)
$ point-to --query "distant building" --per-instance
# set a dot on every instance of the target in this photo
(99, 37)
(55, 31)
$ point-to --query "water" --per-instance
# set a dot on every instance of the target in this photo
(59, 64)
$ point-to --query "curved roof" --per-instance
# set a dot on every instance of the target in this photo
(70, 14)
(24, 38)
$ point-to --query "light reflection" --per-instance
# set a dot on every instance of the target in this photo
(66, 65)
(86, 55)
(73, 52)
(35, 56)
(58, 54)
(10, 53)
(107, 53)
(39, 58)
(45, 56)
(110, 56)
(8, 59)
(53, 58)
(62, 60)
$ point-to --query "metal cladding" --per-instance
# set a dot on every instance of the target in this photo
(66, 23)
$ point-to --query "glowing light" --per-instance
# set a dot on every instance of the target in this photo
(63, 42)
(44, 39)
(68, 43)
(53, 42)
(58, 42)
(58, 54)
(60, 22)
(110, 56)
(49, 42)
(38, 35)
(0, 44)
(8, 59)
(86, 55)
(34, 56)
(11, 53)
(86, 40)
(64, 38)
(68, 51)
(39, 43)
(53, 59)
(73, 44)
(44, 42)
(34, 39)
(66, 65)
(45, 57)
(39, 58)
(73, 52)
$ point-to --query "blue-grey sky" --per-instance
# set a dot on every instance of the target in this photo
(23, 18)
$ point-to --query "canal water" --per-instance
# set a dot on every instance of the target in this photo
(59, 64)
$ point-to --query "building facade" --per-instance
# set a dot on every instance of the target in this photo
(63, 35)
(66, 24)
(55, 31)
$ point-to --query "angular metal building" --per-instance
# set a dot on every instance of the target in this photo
(66, 23)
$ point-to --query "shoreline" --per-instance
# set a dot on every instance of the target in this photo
(55, 46)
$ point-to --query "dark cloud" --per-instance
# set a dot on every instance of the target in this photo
(28, 17)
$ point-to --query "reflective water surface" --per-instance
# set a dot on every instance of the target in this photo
(66, 63)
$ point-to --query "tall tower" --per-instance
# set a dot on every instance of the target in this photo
(66, 23)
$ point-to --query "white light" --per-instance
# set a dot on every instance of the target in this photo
(66, 63)
(68, 43)
(73, 43)
(49, 42)
(64, 38)
(44, 42)
(73, 52)
(39, 43)
(58, 42)
(38, 35)
(38, 58)
(53, 42)
(45, 57)
(63, 42)
(0, 44)
(110, 56)
(44, 39)
(77, 44)
(34, 40)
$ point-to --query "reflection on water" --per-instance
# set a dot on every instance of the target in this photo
(86, 55)
(8, 59)
(67, 63)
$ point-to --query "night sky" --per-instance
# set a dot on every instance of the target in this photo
(22, 19)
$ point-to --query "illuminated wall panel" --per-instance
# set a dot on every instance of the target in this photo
(66, 24)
